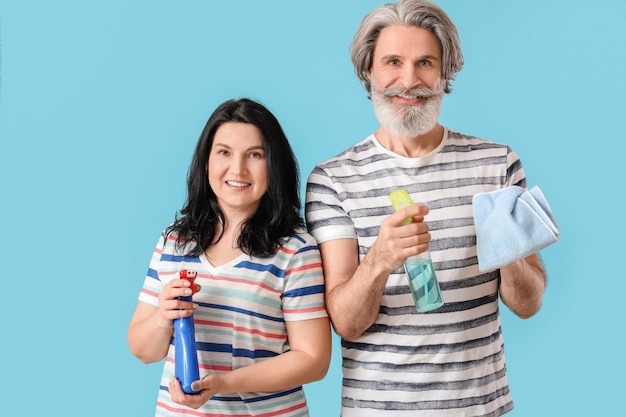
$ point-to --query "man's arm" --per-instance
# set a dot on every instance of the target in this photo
(522, 284)
(353, 289)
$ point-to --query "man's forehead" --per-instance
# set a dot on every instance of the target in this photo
(402, 41)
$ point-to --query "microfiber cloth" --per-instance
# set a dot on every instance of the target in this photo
(511, 223)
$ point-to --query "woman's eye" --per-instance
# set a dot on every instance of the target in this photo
(255, 155)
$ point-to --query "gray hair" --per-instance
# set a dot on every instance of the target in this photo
(419, 13)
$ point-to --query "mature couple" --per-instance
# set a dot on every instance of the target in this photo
(267, 284)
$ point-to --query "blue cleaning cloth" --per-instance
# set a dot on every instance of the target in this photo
(511, 223)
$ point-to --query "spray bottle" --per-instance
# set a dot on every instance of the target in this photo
(186, 355)
(422, 279)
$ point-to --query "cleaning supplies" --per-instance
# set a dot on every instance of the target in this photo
(186, 355)
(419, 268)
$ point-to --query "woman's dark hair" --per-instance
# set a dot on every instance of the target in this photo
(278, 214)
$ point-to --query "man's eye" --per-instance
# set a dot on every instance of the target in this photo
(424, 63)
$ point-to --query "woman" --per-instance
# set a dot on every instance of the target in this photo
(261, 326)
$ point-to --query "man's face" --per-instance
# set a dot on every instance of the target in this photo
(406, 80)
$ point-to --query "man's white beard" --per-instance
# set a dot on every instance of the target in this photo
(404, 120)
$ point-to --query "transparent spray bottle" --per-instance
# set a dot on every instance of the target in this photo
(419, 268)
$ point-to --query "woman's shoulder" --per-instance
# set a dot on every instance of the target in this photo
(172, 243)
(301, 238)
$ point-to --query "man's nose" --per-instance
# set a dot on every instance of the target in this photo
(410, 77)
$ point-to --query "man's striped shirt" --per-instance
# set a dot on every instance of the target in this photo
(449, 361)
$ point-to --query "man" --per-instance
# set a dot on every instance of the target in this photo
(397, 362)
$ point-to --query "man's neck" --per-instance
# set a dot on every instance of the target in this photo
(411, 147)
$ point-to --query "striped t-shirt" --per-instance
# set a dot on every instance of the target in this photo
(449, 361)
(243, 307)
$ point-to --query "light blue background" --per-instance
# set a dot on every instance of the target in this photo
(101, 104)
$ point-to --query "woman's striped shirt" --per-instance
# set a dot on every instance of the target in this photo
(449, 361)
(243, 307)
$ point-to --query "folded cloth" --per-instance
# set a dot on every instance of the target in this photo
(511, 223)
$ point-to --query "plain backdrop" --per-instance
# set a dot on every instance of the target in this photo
(101, 105)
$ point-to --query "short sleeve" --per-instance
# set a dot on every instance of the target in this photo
(303, 295)
(326, 219)
(515, 175)
(152, 284)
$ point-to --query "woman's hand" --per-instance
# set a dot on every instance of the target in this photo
(208, 387)
(170, 306)
(150, 330)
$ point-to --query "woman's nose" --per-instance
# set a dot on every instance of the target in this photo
(238, 166)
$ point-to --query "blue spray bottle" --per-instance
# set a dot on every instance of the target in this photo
(186, 355)
(422, 279)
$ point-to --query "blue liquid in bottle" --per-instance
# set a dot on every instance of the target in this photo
(424, 284)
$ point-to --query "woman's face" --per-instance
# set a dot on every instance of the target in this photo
(237, 168)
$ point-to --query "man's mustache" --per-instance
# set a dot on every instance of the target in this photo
(423, 92)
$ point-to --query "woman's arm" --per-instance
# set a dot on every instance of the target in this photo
(151, 329)
(306, 361)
